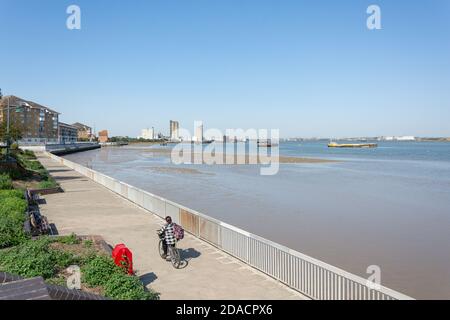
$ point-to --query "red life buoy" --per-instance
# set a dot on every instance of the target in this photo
(123, 258)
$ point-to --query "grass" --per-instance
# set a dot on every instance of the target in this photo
(125, 287)
(12, 218)
(31, 170)
(88, 243)
(72, 239)
(48, 184)
(5, 181)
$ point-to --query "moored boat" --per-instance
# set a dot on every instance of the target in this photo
(352, 145)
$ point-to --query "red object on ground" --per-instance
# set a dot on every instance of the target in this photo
(123, 257)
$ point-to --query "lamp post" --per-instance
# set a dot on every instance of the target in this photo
(7, 129)
(7, 123)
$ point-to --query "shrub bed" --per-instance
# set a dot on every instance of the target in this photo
(102, 272)
(50, 257)
(35, 258)
(12, 218)
(27, 160)
(5, 181)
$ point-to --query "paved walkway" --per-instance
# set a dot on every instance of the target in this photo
(87, 208)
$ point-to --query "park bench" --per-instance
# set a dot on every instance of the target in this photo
(36, 224)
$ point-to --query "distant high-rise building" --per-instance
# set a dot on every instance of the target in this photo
(148, 134)
(198, 131)
(174, 128)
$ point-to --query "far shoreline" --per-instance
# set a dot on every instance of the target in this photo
(243, 159)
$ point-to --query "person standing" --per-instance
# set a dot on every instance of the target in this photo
(169, 235)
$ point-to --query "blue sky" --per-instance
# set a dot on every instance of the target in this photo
(309, 68)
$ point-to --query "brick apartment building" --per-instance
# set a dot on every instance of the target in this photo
(39, 124)
(85, 132)
(103, 136)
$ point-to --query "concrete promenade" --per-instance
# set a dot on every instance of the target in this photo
(87, 208)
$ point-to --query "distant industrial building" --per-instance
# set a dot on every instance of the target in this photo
(38, 124)
(84, 132)
(103, 136)
(67, 133)
(147, 134)
(406, 138)
(174, 130)
(400, 138)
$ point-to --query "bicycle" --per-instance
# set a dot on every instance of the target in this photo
(173, 252)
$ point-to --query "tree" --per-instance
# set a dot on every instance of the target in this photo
(15, 133)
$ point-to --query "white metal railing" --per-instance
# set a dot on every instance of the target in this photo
(309, 276)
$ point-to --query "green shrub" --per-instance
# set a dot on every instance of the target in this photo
(57, 281)
(34, 258)
(124, 287)
(12, 218)
(33, 165)
(97, 271)
(5, 182)
(88, 244)
(11, 232)
(72, 239)
(11, 194)
(48, 184)
(28, 154)
(13, 207)
(101, 271)
(15, 173)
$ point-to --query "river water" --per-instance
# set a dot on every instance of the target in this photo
(388, 206)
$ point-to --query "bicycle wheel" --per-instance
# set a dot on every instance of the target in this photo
(161, 249)
(175, 258)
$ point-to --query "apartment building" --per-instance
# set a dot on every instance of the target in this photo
(85, 132)
(147, 134)
(67, 133)
(39, 124)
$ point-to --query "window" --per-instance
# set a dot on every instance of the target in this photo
(55, 122)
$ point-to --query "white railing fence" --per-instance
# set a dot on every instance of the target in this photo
(311, 277)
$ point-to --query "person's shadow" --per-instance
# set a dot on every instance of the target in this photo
(187, 255)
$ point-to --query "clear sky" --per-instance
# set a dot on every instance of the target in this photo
(309, 68)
